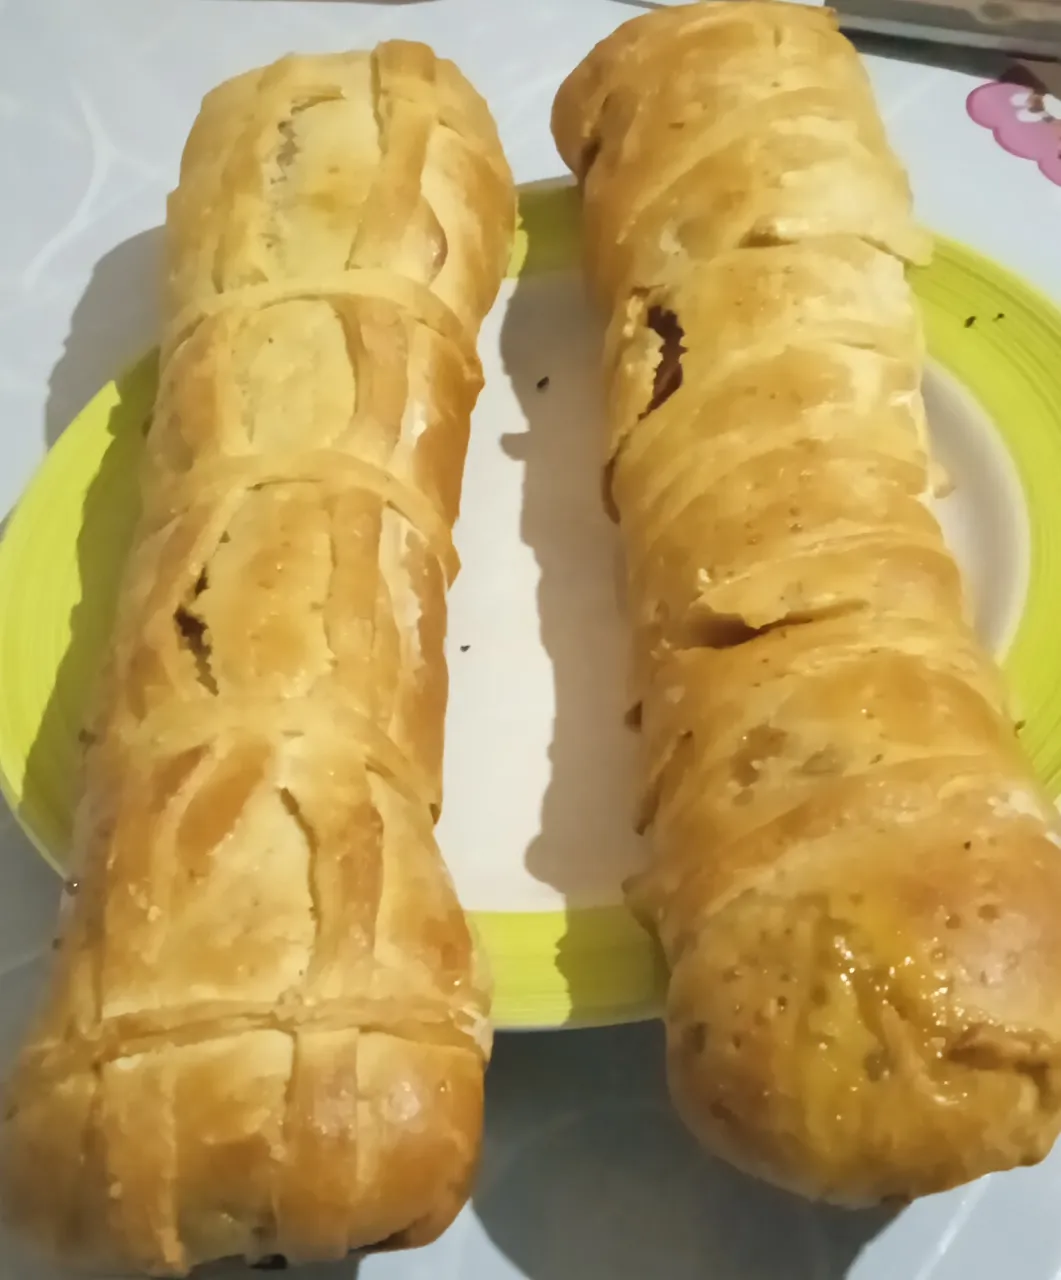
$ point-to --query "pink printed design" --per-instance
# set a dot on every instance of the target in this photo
(1024, 118)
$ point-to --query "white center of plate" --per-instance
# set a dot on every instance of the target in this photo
(984, 517)
(540, 770)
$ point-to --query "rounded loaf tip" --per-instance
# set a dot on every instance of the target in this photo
(856, 1046)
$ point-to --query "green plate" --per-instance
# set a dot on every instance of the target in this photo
(62, 554)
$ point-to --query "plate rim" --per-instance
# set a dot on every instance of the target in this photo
(579, 991)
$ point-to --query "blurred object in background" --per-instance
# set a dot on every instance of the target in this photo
(1031, 28)
(1024, 28)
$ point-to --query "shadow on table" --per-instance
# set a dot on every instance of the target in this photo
(230, 1269)
(113, 324)
(586, 844)
(108, 517)
(588, 1175)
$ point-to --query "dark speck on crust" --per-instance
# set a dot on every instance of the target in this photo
(542, 383)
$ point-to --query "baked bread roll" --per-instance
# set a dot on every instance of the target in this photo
(855, 878)
(267, 1028)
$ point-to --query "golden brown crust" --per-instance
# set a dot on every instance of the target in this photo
(854, 877)
(268, 1026)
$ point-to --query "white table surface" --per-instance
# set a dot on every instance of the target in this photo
(586, 1176)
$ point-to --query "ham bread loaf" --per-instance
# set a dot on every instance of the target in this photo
(854, 876)
(267, 1028)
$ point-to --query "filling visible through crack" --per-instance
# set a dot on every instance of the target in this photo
(668, 376)
(193, 636)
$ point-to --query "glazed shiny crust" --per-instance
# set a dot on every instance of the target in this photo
(267, 1028)
(855, 879)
